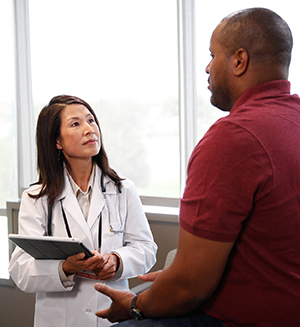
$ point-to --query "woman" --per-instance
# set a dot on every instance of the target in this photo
(79, 195)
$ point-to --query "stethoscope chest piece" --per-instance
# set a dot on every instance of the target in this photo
(119, 192)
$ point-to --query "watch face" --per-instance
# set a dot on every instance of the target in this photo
(136, 314)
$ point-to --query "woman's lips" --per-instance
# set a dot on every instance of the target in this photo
(90, 141)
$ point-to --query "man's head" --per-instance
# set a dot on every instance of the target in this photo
(248, 47)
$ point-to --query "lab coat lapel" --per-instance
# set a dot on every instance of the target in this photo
(78, 226)
(97, 200)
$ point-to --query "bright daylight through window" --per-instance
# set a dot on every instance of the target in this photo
(121, 56)
(7, 126)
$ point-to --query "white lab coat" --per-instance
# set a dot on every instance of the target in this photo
(76, 306)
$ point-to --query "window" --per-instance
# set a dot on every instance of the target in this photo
(121, 57)
(7, 123)
(8, 164)
(136, 62)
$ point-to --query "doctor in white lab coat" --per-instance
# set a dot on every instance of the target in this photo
(65, 294)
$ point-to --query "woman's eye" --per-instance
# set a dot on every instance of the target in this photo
(75, 124)
(91, 120)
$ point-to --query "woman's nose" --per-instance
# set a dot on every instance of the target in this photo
(88, 129)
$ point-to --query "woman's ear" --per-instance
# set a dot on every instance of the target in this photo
(58, 146)
(241, 61)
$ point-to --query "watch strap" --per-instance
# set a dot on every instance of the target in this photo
(135, 312)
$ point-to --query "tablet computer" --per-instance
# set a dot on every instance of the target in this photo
(50, 247)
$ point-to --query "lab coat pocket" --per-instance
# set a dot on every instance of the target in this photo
(49, 317)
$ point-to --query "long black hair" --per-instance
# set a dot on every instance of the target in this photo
(50, 160)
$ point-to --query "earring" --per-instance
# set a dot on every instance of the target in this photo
(59, 155)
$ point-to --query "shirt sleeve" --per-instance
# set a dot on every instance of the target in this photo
(67, 281)
(119, 272)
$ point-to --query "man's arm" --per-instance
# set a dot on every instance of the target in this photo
(189, 281)
(183, 286)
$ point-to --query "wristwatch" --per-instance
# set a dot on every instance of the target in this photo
(135, 312)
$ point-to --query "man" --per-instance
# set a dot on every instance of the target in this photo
(238, 257)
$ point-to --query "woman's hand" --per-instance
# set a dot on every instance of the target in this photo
(78, 262)
(108, 268)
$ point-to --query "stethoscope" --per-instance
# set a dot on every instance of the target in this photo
(111, 228)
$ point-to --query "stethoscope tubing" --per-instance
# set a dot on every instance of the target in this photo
(121, 228)
(111, 228)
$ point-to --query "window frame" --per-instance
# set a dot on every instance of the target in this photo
(187, 92)
(11, 213)
(156, 208)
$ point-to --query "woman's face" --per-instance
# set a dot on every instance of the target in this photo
(79, 134)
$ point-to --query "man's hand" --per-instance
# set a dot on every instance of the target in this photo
(121, 302)
(149, 277)
(181, 287)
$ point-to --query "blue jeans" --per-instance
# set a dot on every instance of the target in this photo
(195, 319)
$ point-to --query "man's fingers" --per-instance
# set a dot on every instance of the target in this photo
(120, 307)
(102, 313)
(106, 290)
(150, 277)
(105, 314)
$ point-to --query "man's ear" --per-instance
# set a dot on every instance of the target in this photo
(241, 61)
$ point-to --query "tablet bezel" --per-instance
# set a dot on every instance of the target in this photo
(50, 247)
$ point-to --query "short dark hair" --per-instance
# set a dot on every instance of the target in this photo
(261, 32)
(50, 160)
